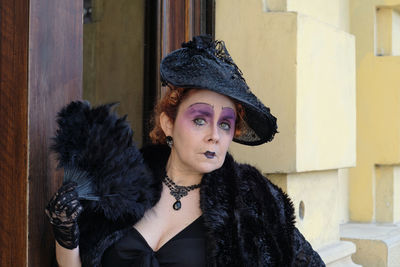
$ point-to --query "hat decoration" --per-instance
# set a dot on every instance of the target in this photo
(206, 64)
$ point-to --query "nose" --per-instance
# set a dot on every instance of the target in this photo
(214, 134)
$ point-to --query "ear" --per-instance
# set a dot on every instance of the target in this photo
(166, 124)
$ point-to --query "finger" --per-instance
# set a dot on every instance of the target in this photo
(67, 201)
(48, 213)
(65, 189)
(75, 212)
(72, 206)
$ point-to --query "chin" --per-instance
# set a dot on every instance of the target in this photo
(207, 168)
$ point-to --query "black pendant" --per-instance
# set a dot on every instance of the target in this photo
(177, 205)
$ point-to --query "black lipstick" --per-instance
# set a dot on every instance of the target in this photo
(209, 154)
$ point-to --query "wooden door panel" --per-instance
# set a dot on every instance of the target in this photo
(55, 79)
(40, 70)
(13, 131)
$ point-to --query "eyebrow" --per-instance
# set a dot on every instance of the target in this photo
(202, 112)
(234, 117)
(228, 117)
(199, 110)
(202, 103)
(206, 113)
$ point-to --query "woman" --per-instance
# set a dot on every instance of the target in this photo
(201, 207)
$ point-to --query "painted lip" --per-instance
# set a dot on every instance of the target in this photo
(209, 154)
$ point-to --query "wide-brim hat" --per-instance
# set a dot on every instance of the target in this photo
(206, 64)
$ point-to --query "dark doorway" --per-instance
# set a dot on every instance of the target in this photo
(169, 23)
(124, 41)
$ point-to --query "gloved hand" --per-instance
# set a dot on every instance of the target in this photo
(63, 211)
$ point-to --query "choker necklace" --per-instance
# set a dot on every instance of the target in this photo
(178, 191)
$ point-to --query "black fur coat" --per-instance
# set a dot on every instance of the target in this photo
(249, 221)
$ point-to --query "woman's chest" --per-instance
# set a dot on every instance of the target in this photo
(161, 223)
(163, 236)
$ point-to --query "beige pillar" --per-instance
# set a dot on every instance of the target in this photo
(300, 60)
(373, 183)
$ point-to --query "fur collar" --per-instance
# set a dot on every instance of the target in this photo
(249, 221)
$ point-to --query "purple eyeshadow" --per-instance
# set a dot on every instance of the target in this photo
(199, 109)
(206, 111)
(228, 115)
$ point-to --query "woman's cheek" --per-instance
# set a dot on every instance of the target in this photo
(187, 125)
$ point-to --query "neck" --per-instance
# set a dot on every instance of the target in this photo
(181, 176)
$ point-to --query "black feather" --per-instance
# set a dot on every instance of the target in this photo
(96, 150)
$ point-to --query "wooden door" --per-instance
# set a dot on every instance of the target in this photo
(13, 131)
(41, 71)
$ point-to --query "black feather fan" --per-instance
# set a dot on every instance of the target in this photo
(96, 150)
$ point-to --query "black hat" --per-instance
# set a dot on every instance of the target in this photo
(206, 64)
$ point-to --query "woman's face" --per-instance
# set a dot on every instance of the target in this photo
(202, 131)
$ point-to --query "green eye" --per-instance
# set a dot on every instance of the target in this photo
(225, 126)
(199, 121)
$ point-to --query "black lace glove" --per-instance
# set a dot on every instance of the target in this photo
(63, 211)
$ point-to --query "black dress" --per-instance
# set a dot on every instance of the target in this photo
(187, 248)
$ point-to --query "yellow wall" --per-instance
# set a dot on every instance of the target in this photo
(320, 221)
(326, 103)
(301, 64)
(304, 71)
(343, 195)
(396, 33)
(378, 112)
(268, 61)
(387, 193)
(289, 59)
(334, 13)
